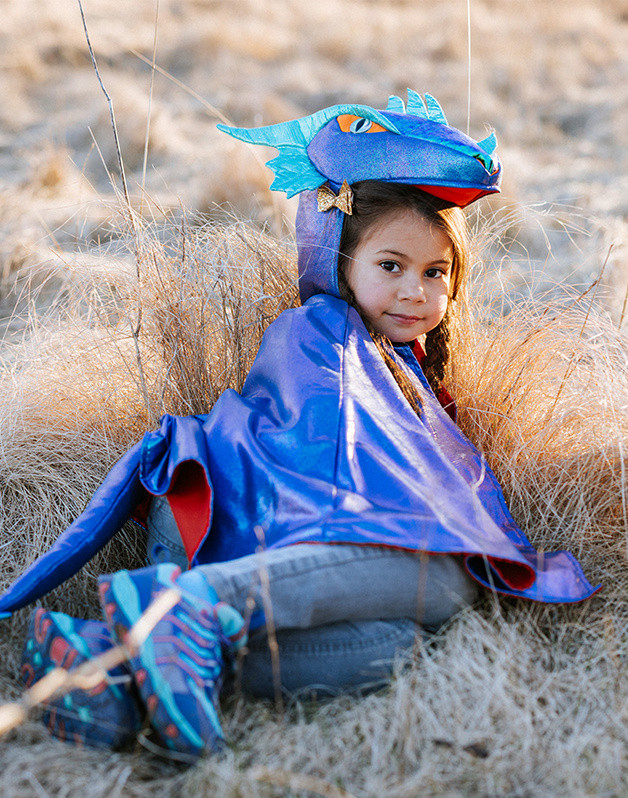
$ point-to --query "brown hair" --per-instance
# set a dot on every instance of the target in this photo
(373, 200)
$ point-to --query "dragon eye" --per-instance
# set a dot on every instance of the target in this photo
(486, 162)
(360, 125)
(350, 123)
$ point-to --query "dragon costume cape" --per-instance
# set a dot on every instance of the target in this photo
(321, 446)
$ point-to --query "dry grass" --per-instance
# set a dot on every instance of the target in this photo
(511, 699)
(544, 394)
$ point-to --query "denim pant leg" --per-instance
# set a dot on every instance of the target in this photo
(164, 541)
(311, 584)
(328, 660)
(341, 612)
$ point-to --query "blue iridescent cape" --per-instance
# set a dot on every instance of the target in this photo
(321, 445)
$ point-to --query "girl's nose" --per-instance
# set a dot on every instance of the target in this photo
(412, 288)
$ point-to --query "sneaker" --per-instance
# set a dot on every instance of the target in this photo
(179, 668)
(106, 715)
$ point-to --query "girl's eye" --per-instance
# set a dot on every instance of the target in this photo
(434, 272)
(389, 266)
(360, 125)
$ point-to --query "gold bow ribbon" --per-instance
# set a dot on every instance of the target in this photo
(326, 199)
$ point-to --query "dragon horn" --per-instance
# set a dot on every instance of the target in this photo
(489, 144)
(416, 106)
(395, 104)
(294, 171)
(435, 112)
(300, 132)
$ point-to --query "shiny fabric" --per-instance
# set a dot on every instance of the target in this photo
(355, 142)
(321, 446)
(421, 152)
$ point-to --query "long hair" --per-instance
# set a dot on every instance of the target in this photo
(373, 201)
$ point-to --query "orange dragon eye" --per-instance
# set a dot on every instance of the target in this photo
(358, 124)
(486, 162)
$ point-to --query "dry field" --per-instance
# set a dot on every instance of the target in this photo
(109, 318)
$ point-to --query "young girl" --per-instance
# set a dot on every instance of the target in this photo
(339, 438)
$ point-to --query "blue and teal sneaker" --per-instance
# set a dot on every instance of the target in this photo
(179, 668)
(106, 715)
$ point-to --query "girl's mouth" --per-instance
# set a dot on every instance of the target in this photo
(400, 318)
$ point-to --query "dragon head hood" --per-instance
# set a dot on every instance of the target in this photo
(410, 144)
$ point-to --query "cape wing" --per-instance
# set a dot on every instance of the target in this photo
(167, 461)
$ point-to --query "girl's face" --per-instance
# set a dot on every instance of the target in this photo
(400, 275)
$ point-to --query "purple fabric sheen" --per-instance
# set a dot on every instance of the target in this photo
(558, 574)
(423, 152)
(321, 446)
(165, 449)
(318, 237)
(149, 466)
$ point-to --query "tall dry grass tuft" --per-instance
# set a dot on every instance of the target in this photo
(207, 296)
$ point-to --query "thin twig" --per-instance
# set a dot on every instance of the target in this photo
(468, 66)
(138, 323)
(584, 324)
(111, 111)
(150, 106)
(623, 310)
(270, 622)
(224, 119)
(207, 105)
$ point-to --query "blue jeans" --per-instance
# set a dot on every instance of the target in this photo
(341, 612)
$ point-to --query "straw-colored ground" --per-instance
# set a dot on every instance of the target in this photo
(512, 699)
